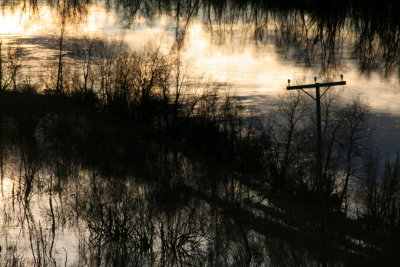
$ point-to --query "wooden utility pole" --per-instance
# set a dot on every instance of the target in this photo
(1, 68)
(320, 176)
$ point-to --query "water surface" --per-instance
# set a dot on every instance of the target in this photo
(155, 206)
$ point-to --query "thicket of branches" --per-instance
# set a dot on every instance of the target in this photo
(103, 99)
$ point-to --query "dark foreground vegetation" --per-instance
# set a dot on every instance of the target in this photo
(121, 158)
(148, 168)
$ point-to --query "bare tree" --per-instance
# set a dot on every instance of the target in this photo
(60, 79)
(355, 130)
(282, 142)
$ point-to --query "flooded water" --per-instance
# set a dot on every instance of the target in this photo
(60, 207)
(63, 204)
(253, 53)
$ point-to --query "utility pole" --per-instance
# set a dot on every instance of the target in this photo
(320, 176)
(1, 68)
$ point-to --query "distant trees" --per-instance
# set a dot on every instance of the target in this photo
(10, 66)
(380, 191)
(158, 90)
(199, 141)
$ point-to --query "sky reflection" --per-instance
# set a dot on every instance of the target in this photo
(85, 215)
(247, 67)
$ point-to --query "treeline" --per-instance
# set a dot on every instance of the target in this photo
(154, 93)
(113, 110)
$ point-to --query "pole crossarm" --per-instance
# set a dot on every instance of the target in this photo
(314, 85)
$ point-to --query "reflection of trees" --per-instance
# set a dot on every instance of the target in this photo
(155, 218)
(135, 201)
(311, 41)
(152, 170)
(377, 40)
(127, 227)
(312, 33)
(317, 34)
(118, 221)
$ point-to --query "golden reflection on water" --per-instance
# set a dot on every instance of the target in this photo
(45, 20)
(16, 22)
(248, 68)
(7, 185)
